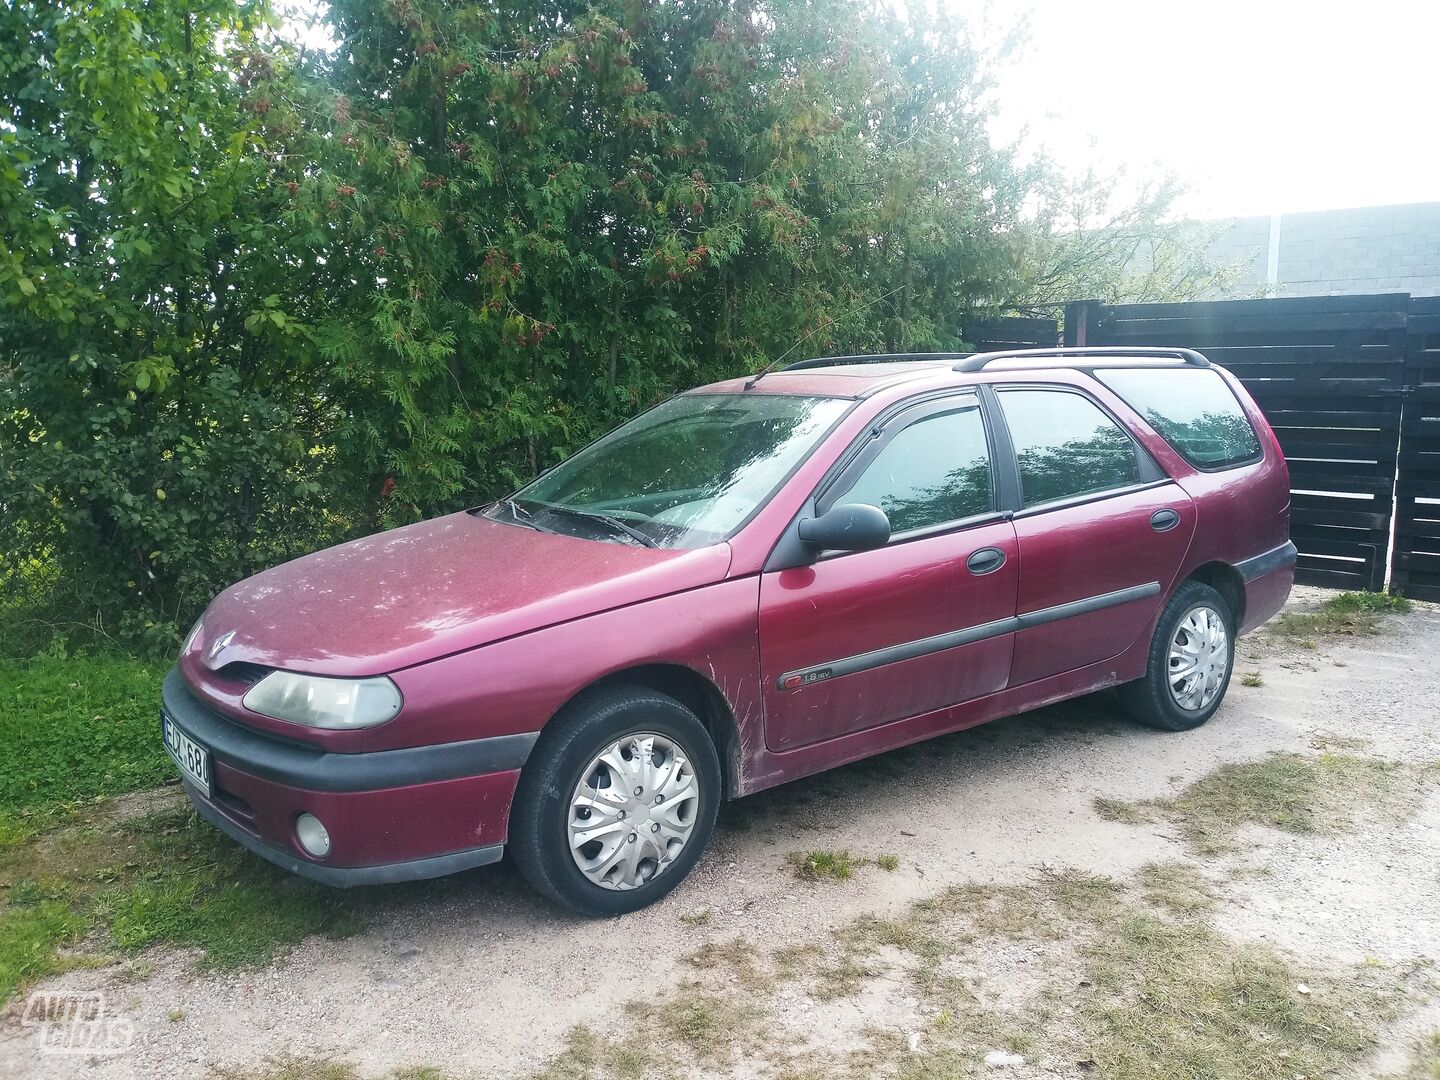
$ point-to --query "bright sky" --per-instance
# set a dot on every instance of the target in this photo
(1263, 106)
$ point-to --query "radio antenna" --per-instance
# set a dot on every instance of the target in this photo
(750, 385)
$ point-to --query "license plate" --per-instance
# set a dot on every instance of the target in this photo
(193, 759)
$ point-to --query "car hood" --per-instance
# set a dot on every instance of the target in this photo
(416, 593)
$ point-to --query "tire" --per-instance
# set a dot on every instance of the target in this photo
(1152, 700)
(648, 859)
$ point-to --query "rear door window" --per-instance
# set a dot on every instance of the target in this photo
(1193, 410)
(1066, 446)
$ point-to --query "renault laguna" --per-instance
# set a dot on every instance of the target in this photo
(751, 582)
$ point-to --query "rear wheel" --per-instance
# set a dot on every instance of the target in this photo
(1191, 656)
(617, 801)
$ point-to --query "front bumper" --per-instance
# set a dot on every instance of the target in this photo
(392, 815)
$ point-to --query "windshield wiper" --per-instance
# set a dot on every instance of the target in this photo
(604, 519)
(520, 516)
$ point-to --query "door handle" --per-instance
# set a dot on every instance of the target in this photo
(985, 561)
(1164, 520)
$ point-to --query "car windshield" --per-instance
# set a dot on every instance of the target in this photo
(687, 473)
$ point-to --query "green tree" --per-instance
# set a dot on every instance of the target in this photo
(572, 210)
(163, 426)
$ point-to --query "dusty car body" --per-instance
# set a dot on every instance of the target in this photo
(518, 642)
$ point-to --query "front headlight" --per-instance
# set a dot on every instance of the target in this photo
(319, 702)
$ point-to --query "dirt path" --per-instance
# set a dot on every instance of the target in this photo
(477, 977)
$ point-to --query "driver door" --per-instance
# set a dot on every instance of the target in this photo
(863, 638)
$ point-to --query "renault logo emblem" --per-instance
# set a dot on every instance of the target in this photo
(220, 642)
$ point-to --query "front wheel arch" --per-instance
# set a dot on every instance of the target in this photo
(698, 694)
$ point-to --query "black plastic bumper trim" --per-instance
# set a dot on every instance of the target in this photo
(908, 650)
(346, 877)
(1268, 562)
(322, 770)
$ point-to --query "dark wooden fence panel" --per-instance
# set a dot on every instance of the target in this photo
(1014, 332)
(1328, 372)
(1415, 569)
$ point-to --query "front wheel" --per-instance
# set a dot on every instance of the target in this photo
(617, 801)
(1190, 659)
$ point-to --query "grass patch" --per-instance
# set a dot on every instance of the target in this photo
(1252, 679)
(735, 956)
(1134, 993)
(708, 1025)
(289, 1067)
(1180, 1000)
(165, 878)
(821, 865)
(1348, 614)
(1298, 793)
(587, 1056)
(1177, 887)
(75, 728)
(1126, 813)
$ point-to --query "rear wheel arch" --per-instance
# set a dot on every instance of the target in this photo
(1226, 580)
(698, 694)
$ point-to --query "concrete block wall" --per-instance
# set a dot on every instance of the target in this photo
(1334, 252)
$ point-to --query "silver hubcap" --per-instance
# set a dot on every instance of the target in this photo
(1199, 658)
(633, 811)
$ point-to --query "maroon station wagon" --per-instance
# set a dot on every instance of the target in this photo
(749, 583)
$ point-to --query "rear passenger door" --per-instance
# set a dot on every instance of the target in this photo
(858, 639)
(1101, 531)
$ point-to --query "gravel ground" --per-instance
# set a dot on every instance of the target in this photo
(485, 979)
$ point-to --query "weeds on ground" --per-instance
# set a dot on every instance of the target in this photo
(734, 955)
(1346, 613)
(1294, 792)
(1126, 813)
(1252, 679)
(708, 1025)
(1176, 887)
(1122, 985)
(289, 1067)
(588, 1056)
(697, 918)
(835, 865)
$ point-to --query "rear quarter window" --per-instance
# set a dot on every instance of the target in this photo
(1193, 409)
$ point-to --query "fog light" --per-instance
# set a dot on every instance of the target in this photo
(312, 835)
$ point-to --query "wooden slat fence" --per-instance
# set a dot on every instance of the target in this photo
(1416, 560)
(1012, 332)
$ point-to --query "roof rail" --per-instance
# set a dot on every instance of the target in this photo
(872, 358)
(978, 361)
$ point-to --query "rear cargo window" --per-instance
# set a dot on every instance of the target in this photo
(1193, 409)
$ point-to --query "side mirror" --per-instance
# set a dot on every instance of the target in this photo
(847, 527)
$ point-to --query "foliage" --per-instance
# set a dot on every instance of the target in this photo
(163, 425)
(258, 299)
